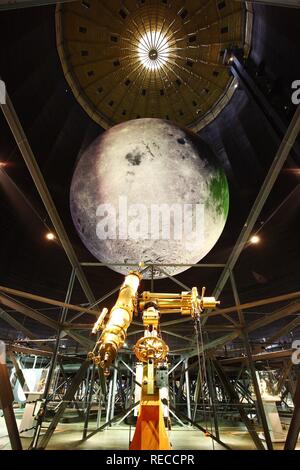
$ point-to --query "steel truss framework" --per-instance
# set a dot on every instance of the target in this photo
(217, 381)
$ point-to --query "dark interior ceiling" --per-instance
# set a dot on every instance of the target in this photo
(101, 58)
(58, 129)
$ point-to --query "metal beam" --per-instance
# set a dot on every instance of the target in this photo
(39, 181)
(212, 396)
(52, 366)
(250, 365)
(187, 389)
(278, 315)
(85, 342)
(150, 265)
(46, 300)
(205, 431)
(113, 420)
(6, 404)
(15, 324)
(234, 398)
(88, 402)
(180, 284)
(255, 303)
(33, 352)
(294, 429)
(277, 126)
(18, 369)
(215, 343)
(177, 336)
(61, 409)
(285, 371)
(266, 320)
(265, 356)
(259, 401)
(27, 311)
(284, 330)
(275, 168)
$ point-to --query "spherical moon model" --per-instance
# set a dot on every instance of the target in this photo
(149, 191)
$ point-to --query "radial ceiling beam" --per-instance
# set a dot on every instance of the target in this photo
(33, 167)
(276, 166)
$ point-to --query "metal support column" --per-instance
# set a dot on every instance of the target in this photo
(114, 390)
(89, 402)
(67, 399)
(187, 389)
(40, 183)
(6, 402)
(257, 392)
(277, 126)
(251, 367)
(108, 409)
(205, 431)
(211, 388)
(265, 189)
(42, 413)
(294, 429)
(232, 394)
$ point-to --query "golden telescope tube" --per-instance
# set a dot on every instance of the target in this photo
(119, 319)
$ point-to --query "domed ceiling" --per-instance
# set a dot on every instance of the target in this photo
(149, 58)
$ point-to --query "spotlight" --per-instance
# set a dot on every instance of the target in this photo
(254, 239)
(50, 236)
(230, 59)
(236, 85)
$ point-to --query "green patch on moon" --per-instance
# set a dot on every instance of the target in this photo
(218, 194)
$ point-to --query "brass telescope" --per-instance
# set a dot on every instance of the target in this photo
(186, 303)
(115, 324)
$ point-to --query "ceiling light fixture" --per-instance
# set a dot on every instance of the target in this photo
(254, 239)
(153, 50)
(50, 236)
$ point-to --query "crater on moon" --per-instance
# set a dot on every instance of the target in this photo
(150, 162)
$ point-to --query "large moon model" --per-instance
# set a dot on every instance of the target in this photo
(136, 169)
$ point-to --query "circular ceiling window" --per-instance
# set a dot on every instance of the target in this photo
(149, 58)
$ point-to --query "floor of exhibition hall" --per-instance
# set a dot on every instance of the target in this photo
(68, 436)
